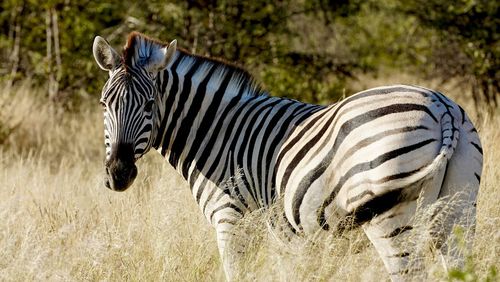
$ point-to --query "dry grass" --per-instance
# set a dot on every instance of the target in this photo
(58, 222)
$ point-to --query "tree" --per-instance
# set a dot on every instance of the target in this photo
(466, 43)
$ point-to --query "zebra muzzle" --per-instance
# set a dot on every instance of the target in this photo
(120, 175)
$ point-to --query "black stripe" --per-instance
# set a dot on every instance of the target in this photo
(201, 188)
(479, 149)
(305, 148)
(246, 109)
(377, 137)
(400, 255)
(393, 89)
(478, 177)
(398, 231)
(400, 175)
(147, 128)
(209, 197)
(141, 140)
(225, 206)
(440, 97)
(463, 114)
(248, 120)
(163, 77)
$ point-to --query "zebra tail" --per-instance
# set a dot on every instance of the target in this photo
(449, 140)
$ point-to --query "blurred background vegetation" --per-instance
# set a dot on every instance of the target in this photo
(311, 50)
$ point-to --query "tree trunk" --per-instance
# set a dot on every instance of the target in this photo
(54, 64)
(48, 31)
(16, 34)
(57, 50)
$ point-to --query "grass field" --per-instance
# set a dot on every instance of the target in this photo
(58, 222)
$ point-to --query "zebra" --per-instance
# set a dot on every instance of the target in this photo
(368, 158)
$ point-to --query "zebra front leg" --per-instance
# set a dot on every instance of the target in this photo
(231, 247)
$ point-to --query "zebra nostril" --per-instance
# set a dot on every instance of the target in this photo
(107, 183)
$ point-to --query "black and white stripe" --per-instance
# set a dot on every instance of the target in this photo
(368, 157)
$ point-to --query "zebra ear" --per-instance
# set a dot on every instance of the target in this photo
(161, 57)
(105, 56)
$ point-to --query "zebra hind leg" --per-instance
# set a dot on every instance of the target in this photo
(452, 228)
(460, 189)
(389, 233)
(398, 239)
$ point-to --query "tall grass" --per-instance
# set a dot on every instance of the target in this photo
(59, 223)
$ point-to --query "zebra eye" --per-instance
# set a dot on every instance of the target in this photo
(148, 106)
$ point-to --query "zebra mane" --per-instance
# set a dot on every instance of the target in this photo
(243, 76)
(129, 48)
(240, 75)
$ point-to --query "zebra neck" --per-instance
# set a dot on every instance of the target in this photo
(198, 97)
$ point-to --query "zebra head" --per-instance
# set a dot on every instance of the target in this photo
(130, 100)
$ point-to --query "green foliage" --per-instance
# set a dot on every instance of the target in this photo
(78, 23)
(470, 273)
(303, 49)
(466, 43)
(302, 83)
